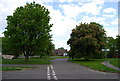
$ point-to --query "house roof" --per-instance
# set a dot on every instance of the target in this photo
(60, 50)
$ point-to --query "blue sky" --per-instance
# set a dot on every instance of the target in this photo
(66, 14)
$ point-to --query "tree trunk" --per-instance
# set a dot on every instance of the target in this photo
(26, 58)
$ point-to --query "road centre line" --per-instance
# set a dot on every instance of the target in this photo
(48, 70)
(55, 77)
(51, 67)
(48, 73)
(53, 73)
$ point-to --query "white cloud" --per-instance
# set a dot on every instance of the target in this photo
(112, 31)
(100, 2)
(91, 8)
(114, 22)
(71, 11)
(108, 16)
(110, 10)
(100, 20)
(62, 26)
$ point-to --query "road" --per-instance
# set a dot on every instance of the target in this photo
(59, 69)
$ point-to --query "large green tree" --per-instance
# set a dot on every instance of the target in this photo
(86, 41)
(28, 30)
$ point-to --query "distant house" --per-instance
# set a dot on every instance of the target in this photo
(60, 52)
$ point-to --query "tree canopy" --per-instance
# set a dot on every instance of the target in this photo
(28, 30)
(86, 41)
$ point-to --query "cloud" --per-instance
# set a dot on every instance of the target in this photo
(62, 26)
(108, 16)
(99, 2)
(100, 20)
(72, 10)
(112, 32)
(91, 8)
(114, 22)
(109, 10)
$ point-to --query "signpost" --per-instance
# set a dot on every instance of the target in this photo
(105, 50)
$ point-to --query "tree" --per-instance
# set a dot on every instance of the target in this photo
(10, 48)
(28, 30)
(118, 45)
(86, 41)
(49, 50)
(111, 45)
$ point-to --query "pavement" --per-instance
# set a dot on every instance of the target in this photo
(107, 63)
(59, 69)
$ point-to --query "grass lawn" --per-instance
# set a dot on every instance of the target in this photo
(10, 68)
(95, 64)
(31, 61)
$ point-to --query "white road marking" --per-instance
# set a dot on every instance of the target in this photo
(51, 67)
(55, 77)
(53, 73)
(48, 73)
(48, 78)
(48, 70)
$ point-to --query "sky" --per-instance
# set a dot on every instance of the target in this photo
(66, 14)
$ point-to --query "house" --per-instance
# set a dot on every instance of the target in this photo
(60, 52)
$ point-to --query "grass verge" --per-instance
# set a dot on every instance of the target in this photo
(11, 68)
(31, 61)
(95, 64)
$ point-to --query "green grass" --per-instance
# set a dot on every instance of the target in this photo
(10, 68)
(95, 64)
(31, 61)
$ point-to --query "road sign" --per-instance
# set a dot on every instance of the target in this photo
(105, 49)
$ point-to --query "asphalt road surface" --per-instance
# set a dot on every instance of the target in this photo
(59, 69)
